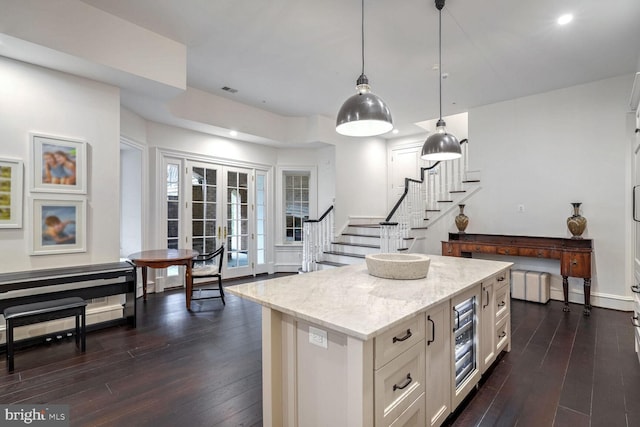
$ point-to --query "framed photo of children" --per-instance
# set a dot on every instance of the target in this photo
(58, 225)
(58, 165)
(10, 193)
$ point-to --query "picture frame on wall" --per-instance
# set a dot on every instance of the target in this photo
(58, 165)
(58, 225)
(11, 193)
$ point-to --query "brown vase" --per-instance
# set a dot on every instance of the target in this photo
(462, 220)
(576, 222)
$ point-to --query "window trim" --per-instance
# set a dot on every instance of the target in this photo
(280, 211)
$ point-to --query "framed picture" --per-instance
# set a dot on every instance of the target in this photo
(58, 165)
(10, 193)
(58, 225)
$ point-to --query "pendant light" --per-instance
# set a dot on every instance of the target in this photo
(440, 145)
(363, 114)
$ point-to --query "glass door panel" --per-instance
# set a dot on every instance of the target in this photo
(240, 257)
(220, 211)
(204, 209)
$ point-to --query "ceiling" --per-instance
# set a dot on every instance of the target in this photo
(302, 57)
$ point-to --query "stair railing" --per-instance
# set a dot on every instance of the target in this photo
(419, 196)
(317, 237)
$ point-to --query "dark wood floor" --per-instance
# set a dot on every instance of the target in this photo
(202, 368)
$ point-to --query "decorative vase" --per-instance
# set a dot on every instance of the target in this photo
(462, 220)
(576, 222)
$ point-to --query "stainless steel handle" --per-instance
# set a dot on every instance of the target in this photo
(635, 289)
(487, 300)
(634, 321)
(502, 335)
(501, 279)
(457, 320)
(502, 304)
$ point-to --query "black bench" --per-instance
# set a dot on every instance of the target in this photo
(27, 314)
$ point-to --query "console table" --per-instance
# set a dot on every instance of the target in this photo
(574, 254)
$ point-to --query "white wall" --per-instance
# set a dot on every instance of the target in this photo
(546, 151)
(49, 102)
(361, 179)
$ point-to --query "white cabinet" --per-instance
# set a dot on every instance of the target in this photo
(399, 372)
(438, 360)
(495, 323)
(487, 324)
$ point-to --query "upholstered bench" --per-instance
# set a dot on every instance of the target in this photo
(26, 314)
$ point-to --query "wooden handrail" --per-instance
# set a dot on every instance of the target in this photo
(408, 180)
(322, 217)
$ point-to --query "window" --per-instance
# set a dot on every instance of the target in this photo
(173, 205)
(296, 204)
(261, 220)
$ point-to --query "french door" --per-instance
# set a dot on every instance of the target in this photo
(220, 206)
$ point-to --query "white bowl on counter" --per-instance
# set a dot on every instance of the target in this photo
(398, 266)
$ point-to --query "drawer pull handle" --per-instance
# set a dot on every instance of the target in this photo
(634, 321)
(404, 384)
(574, 262)
(478, 248)
(501, 279)
(404, 338)
(487, 300)
(457, 325)
(502, 304)
(502, 335)
(539, 253)
(433, 331)
(636, 289)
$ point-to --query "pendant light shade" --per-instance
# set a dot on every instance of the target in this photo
(363, 114)
(441, 145)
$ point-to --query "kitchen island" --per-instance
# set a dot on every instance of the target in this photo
(344, 348)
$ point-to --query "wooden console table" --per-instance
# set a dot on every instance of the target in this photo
(574, 254)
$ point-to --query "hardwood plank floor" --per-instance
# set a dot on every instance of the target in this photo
(203, 368)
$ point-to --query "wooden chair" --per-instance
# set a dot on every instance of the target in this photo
(205, 266)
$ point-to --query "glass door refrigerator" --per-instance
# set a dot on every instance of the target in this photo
(466, 371)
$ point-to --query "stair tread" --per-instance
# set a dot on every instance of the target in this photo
(458, 191)
(360, 235)
(365, 225)
(444, 201)
(331, 263)
(360, 245)
(344, 254)
(419, 228)
(471, 180)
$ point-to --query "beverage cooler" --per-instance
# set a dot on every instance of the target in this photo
(466, 372)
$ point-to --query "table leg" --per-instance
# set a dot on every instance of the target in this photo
(565, 290)
(189, 284)
(144, 283)
(587, 297)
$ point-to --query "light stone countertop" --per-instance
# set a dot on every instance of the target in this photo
(349, 300)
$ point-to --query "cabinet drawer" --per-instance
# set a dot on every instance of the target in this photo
(576, 264)
(534, 252)
(450, 249)
(399, 383)
(478, 248)
(502, 301)
(414, 416)
(503, 334)
(397, 339)
(507, 250)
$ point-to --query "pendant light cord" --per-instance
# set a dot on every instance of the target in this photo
(362, 38)
(440, 55)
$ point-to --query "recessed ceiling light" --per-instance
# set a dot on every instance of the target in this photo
(565, 19)
(233, 133)
(395, 131)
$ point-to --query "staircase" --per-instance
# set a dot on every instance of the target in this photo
(441, 188)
